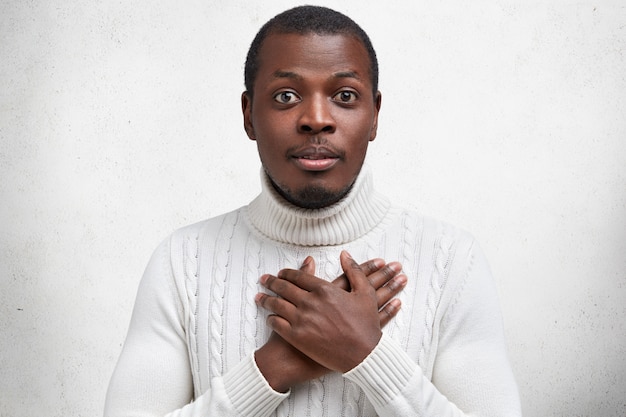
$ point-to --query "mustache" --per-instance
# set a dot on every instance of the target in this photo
(319, 143)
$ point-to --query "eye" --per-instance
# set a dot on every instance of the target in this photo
(287, 97)
(346, 96)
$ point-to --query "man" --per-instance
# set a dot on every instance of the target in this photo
(237, 315)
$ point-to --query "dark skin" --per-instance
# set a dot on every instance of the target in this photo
(284, 364)
(312, 114)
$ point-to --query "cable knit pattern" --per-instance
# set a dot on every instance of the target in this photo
(195, 326)
(437, 282)
(190, 265)
(249, 312)
(402, 327)
(458, 295)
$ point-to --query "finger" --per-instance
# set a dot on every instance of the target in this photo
(389, 311)
(283, 288)
(368, 267)
(391, 289)
(371, 266)
(357, 279)
(384, 274)
(276, 305)
(279, 324)
(300, 279)
(308, 265)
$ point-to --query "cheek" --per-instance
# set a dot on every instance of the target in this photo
(275, 133)
(358, 124)
(267, 153)
(360, 135)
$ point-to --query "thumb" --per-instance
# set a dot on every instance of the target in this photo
(308, 265)
(353, 271)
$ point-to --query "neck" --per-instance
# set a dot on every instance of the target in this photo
(358, 212)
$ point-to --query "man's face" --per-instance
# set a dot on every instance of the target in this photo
(312, 114)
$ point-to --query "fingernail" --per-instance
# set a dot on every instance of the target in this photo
(402, 279)
(257, 298)
(395, 266)
(378, 263)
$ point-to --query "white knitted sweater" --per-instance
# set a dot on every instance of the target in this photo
(195, 326)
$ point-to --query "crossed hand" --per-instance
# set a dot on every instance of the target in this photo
(319, 326)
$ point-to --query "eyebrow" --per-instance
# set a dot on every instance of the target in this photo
(347, 74)
(295, 76)
(286, 74)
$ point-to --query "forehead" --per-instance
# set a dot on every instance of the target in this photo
(312, 53)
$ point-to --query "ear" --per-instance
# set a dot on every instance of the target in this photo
(246, 109)
(378, 99)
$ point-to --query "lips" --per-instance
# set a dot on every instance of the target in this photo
(315, 158)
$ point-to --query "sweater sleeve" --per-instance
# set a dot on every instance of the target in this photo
(153, 375)
(471, 375)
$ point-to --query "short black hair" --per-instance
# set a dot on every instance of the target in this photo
(306, 20)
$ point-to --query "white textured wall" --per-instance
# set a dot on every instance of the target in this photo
(119, 122)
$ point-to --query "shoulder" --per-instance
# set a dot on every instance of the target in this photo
(171, 276)
(178, 252)
(447, 253)
(181, 248)
(437, 234)
(465, 280)
(189, 234)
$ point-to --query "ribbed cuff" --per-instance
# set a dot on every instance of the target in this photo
(248, 390)
(383, 373)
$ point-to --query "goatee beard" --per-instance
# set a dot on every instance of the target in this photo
(312, 196)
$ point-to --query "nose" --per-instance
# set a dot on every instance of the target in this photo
(316, 116)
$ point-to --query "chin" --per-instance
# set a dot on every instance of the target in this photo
(315, 197)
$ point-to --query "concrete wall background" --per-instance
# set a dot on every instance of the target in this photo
(120, 121)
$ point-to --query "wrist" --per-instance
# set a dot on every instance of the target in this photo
(248, 391)
(357, 356)
(284, 366)
(273, 369)
(384, 373)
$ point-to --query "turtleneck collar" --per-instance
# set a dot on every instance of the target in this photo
(350, 218)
